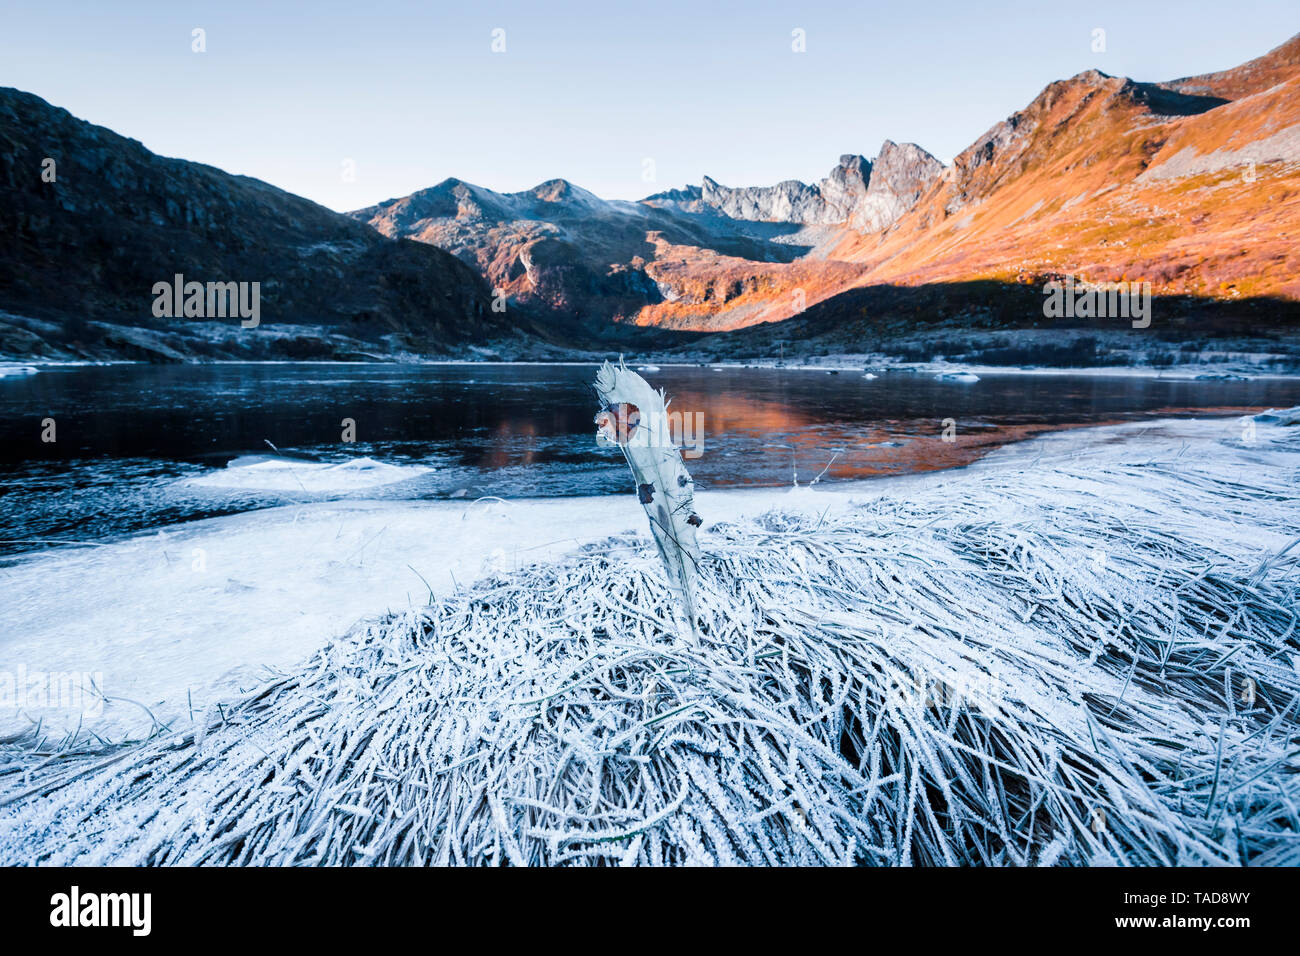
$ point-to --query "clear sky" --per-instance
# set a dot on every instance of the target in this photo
(412, 93)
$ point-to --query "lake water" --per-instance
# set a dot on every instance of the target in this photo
(132, 439)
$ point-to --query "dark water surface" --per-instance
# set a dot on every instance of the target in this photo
(128, 435)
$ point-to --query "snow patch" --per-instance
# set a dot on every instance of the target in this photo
(262, 473)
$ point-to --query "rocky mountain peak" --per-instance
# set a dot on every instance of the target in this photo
(562, 191)
(830, 201)
(899, 177)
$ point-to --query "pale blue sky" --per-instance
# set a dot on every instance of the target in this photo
(412, 92)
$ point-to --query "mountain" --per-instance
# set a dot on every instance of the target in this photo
(867, 195)
(705, 257)
(559, 246)
(899, 177)
(833, 200)
(1190, 184)
(80, 255)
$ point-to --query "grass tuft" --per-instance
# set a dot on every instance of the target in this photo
(1062, 662)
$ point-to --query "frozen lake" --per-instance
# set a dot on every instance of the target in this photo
(138, 446)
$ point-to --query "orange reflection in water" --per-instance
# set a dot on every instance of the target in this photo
(505, 449)
(890, 447)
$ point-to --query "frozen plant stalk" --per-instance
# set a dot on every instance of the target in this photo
(635, 417)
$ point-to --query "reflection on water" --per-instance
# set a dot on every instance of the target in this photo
(127, 436)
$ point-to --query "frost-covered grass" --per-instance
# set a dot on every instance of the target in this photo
(1060, 660)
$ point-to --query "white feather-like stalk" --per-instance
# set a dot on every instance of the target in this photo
(656, 462)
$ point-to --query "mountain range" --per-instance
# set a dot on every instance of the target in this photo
(702, 258)
(1191, 185)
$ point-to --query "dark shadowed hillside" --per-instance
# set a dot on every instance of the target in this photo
(79, 257)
